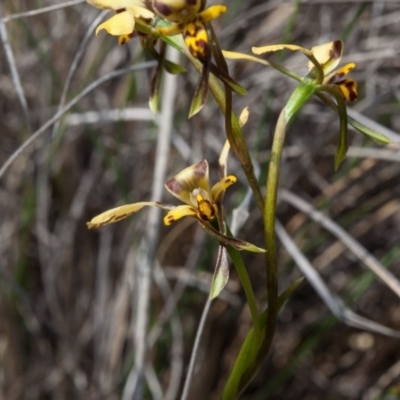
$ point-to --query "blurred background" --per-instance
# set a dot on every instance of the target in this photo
(67, 294)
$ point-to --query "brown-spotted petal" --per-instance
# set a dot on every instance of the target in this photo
(221, 186)
(178, 213)
(328, 55)
(193, 177)
(118, 213)
(348, 87)
(339, 74)
(181, 11)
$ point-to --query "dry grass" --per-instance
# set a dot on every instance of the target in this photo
(67, 294)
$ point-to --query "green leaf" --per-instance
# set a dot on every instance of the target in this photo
(200, 95)
(369, 133)
(342, 143)
(299, 97)
(236, 243)
(341, 109)
(236, 87)
(221, 273)
(342, 147)
(155, 89)
(173, 68)
(155, 83)
(251, 354)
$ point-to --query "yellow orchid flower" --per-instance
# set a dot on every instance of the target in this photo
(122, 24)
(322, 77)
(329, 56)
(190, 18)
(323, 61)
(192, 187)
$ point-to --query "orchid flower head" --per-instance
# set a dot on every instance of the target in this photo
(323, 59)
(201, 201)
(192, 187)
(189, 17)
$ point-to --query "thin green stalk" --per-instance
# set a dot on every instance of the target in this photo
(298, 98)
(247, 287)
(223, 96)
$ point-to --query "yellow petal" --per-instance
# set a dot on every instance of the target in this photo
(221, 186)
(348, 87)
(211, 13)
(178, 213)
(141, 12)
(120, 24)
(339, 74)
(196, 40)
(328, 55)
(193, 177)
(276, 47)
(118, 213)
(116, 4)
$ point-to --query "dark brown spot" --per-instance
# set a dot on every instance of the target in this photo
(337, 49)
(201, 169)
(162, 8)
(351, 87)
(336, 78)
(174, 186)
(191, 2)
(202, 44)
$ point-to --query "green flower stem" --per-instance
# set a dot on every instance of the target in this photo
(223, 96)
(248, 289)
(298, 98)
(251, 353)
(235, 135)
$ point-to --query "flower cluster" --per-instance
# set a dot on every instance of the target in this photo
(325, 57)
(188, 16)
